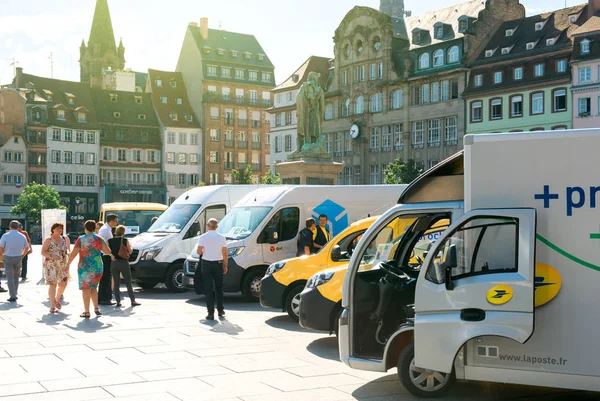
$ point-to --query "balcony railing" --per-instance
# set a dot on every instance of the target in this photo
(253, 102)
(240, 100)
(215, 98)
(242, 122)
(256, 145)
(266, 102)
(228, 120)
(255, 166)
(243, 144)
(229, 165)
(242, 165)
(256, 123)
(124, 182)
(229, 144)
(399, 147)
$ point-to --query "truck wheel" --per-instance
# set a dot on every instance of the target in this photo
(174, 278)
(251, 285)
(422, 382)
(147, 285)
(292, 302)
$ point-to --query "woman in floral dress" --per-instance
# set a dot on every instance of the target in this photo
(55, 250)
(89, 270)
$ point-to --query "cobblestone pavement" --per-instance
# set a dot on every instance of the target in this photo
(163, 351)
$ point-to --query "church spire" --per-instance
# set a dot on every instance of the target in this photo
(102, 37)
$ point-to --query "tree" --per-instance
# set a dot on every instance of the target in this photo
(271, 178)
(200, 184)
(399, 172)
(35, 198)
(243, 176)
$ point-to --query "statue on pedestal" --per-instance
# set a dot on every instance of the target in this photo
(310, 112)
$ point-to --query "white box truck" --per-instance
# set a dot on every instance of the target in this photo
(262, 228)
(507, 293)
(158, 254)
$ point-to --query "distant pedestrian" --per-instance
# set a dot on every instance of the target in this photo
(13, 247)
(213, 248)
(321, 234)
(99, 225)
(105, 290)
(55, 250)
(121, 265)
(24, 263)
(90, 268)
(305, 238)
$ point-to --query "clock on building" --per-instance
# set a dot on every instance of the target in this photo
(354, 131)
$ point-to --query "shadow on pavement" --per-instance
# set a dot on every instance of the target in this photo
(10, 305)
(232, 302)
(284, 322)
(326, 348)
(53, 319)
(91, 325)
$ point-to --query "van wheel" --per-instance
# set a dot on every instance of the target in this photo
(292, 302)
(251, 285)
(147, 285)
(174, 278)
(423, 383)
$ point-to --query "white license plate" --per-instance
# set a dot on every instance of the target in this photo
(191, 280)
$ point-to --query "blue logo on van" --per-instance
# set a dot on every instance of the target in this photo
(337, 215)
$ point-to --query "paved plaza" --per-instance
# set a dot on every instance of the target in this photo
(164, 351)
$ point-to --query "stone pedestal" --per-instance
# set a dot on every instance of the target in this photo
(309, 171)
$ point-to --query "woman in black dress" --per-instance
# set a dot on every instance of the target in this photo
(120, 266)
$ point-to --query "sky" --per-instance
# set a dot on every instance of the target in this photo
(153, 30)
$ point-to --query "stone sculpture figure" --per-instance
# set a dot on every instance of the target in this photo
(310, 112)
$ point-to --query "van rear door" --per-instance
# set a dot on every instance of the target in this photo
(479, 281)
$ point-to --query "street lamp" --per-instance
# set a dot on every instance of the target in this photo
(77, 201)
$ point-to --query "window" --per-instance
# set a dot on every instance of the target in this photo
(498, 77)
(173, 116)
(8, 156)
(79, 180)
(561, 65)
(486, 245)
(68, 157)
(345, 78)
(451, 130)
(170, 158)
(89, 180)
(346, 108)
(376, 103)
(122, 155)
(214, 156)
(506, 50)
(476, 112)
(60, 114)
(435, 92)
(417, 137)
(159, 83)
(152, 156)
(380, 70)
(373, 72)
(55, 179)
(490, 53)
(239, 74)
(585, 74)
(425, 93)
(91, 158)
(478, 80)
(539, 70)
(193, 139)
(226, 72)
(79, 136)
(530, 45)
(359, 47)
(516, 106)
(211, 71)
(56, 156)
(434, 133)
(386, 138)
(68, 179)
(355, 74)
(106, 155)
(438, 58)
(138, 100)
(584, 46)
(171, 138)
(496, 109)
(550, 42)
(362, 73)
(288, 145)
(182, 159)
(537, 103)
(278, 147)
(194, 159)
(374, 174)
(81, 117)
(215, 134)
(584, 106)
(182, 138)
(509, 32)
(56, 134)
(329, 111)
(559, 100)
(214, 113)
(286, 221)
(453, 56)
(91, 137)
(424, 61)
(518, 73)
(266, 77)
(18, 157)
(439, 32)
(463, 25)
(374, 139)
(359, 105)
(397, 99)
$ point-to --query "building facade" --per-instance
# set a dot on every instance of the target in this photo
(521, 80)
(228, 78)
(130, 148)
(585, 63)
(399, 81)
(182, 155)
(101, 51)
(283, 113)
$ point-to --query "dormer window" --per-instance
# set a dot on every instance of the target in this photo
(81, 117)
(530, 45)
(138, 100)
(584, 46)
(206, 49)
(116, 114)
(60, 114)
(173, 84)
(248, 55)
(463, 24)
(550, 42)
(509, 32)
(220, 52)
(377, 43)
(173, 116)
(438, 31)
(141, 116)
(234, 53)
(506, 50)
(159, 83)
(189, 118)
(71, 98)
(573, 18)
(178, 100)
(540, 25)
(114, 98)
(490, 53)
(359, 47)
(261, 57)
(163, 99)
(49, 95)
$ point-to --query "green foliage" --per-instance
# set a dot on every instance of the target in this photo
(35, 198)
(399, 172)
(200, 184)
(243, 176)
(271, 178)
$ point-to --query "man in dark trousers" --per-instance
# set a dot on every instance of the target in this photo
(305, 238)
(24, 262)
(105, 287)
(213, 248)
(321, 235)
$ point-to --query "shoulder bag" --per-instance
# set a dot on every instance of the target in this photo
(123, 251)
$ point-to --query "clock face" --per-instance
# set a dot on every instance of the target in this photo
(354, 131)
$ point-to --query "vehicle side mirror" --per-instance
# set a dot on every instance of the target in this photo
(450, 263)
(336, 253)
(271, 236)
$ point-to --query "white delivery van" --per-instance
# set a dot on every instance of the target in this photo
(158, 254)
(506, 293)
(262, 228)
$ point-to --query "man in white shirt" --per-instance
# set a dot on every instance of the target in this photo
(213, 248)
(105, 286)
(13, 247)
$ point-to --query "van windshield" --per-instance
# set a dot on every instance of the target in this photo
(240, 222)
(135, 221)
(174, 219)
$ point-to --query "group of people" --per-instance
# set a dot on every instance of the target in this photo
(103, 258)
(314, 237)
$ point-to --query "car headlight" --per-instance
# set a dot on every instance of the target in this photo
(151, 253)
(274, 268)
(319, 279)
(231, 252)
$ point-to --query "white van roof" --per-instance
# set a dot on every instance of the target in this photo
(201, 195)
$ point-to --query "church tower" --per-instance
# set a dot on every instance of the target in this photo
(393, 8)
(101, 51)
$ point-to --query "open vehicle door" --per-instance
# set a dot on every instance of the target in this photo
(478, 280)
